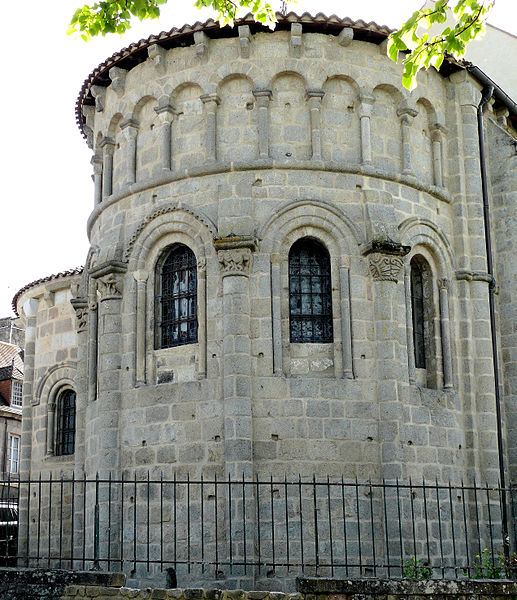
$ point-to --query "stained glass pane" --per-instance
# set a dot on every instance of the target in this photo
(177, 304)
(310, 312)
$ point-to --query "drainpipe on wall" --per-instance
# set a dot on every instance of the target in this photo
(488, 90)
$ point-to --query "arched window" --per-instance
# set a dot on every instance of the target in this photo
(65, 430)
(176, 299)
(417, 304)
(310, 292)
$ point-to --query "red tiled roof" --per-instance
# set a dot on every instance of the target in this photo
(10, 356)
(75, 271)
(136, 52)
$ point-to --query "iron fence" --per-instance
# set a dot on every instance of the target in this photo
(216, 528)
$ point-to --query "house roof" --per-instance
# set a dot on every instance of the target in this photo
(11, 362)
(75, 271)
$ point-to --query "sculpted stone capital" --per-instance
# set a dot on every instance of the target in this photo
(140, 276)
(235, 261)
(110, 286)
(443, 284)
(385, 267)
(80, 305)
(201, 265)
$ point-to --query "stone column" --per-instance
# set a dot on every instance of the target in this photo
(201, 317)
(103, 432)
(315, 97)
(346, 325)
(409, 327)
(92, 341)
(235, 258)
(211, 102)
(130, 128)
(51, 424)
(276, 292)
(443, 285)
(386, 262)
(263, 97)
(108, 146)
(437, 131)
(140, 320)
(166, 114)
(406, 115)
(97, 178)
(365, 112)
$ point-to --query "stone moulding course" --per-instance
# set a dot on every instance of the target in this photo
(263, 165)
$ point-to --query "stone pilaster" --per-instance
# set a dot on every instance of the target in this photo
(96, 162)
(211, 102)
(130, 129)
(437, 135)
(140, 317)
(385, 261)
(443, 286)
(263, 97)
(406, 115)
(315, 97)
(235, 257)
(166, 114)
(365, 112)
(30, 310)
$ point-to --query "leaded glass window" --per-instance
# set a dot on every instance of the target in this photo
(417, 304)
(177, 298)
(65, 434)
(310, 293)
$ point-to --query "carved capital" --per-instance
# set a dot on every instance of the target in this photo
(110, 286)
(385, 267)
(80, 306)
(201, 265)
(443, 284)
(235, 261)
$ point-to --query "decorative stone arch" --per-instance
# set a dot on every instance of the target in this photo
(327, 224)
(431, 250)
(57, 379)
(156, 233)
(227, 72)
(185, 79)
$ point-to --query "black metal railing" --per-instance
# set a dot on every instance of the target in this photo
(269, 527)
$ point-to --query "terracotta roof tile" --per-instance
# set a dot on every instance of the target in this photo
(75, 271)
(10, 356)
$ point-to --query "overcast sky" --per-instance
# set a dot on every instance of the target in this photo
(47, 192)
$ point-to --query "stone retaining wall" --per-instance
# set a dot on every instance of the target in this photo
(53, 584)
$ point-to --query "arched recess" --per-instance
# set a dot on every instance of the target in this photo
(431, 255)
(324, 223)
(147, 138)
(57, 379)
(188, 126)
(237, 134)
(158, 233)
(422, 141)
(386, 136)
(289, 133)
(340, 134)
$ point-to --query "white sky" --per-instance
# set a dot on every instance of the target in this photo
(47, 192)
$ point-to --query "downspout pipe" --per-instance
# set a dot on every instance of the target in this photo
(487, 93)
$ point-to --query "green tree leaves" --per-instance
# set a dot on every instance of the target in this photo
(114, 16)
(423, 50)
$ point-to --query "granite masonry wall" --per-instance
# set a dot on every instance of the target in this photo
(237, 147)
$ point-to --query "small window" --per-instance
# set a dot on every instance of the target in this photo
(14, 454)
(176, 302)
(16, 394)
(65, 432)
(417, 304)
(310, 293)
